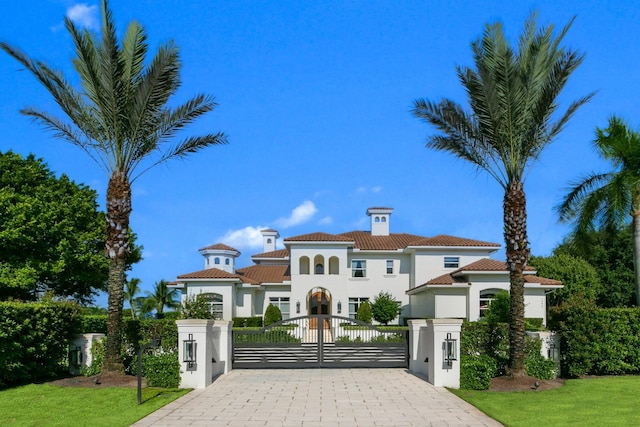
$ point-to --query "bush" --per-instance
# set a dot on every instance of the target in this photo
(35, 338)
(97, 357)
(272, 315)
(385, 308)
(161, 368)
(247, 322)
(364, 312)
(535, 364)
(476, 372)
(498, 311)
(196, 308)
(94, 323)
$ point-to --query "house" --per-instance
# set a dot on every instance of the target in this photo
(321, 273)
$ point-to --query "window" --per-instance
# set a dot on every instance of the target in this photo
(319, 269)
(283, 304)
(389, 266)
(384, 219)
(358, 268)
(334, 265)
(215, 304)
(304, 265)
(451, 262)
(226, 261)
(269, 241)
(354, 305)
(377, 219)
(216, 261)
(485, 301)
(318, 262)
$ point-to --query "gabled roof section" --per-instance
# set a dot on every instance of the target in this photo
(542, 280)
(365, 241)
(260, 274)
(488, 265)
(446, 240)
(219, 247)
(318, 237)
(209, 273)
(279, 254)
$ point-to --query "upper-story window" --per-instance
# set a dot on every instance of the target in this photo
(319, 269)
(451, 262)
(377, 219)
(226, 261)
(268, 240)
(389, 266)
(334, 265)
(216, 261)
(358, 268)
(384, 219)
(304, 265)
(318, 262)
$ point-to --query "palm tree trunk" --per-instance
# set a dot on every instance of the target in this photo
(117, 248)
(517, 251)
(636, 251)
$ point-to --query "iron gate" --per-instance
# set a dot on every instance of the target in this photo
(321, 341)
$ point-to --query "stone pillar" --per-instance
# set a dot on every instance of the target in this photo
(200, 374)
(418, 355)
(439, 371)
(222, 347)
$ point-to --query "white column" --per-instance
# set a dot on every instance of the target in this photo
(440, 373)
(221, 347)
(417, 346)
(200, 375)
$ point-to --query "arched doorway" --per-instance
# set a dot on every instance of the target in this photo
(319, 303)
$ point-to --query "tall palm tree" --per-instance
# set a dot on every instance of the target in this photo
(512, 95)
(162, 297)
(605, 200)
(131, 288)
(121, 119)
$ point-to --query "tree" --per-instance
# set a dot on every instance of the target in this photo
(385, 308)
(605, 200)
(499, 308)
(162, 297)
(364, 312)
(579, 278)
(51, 233)
(120, 117)
(131, 289)
(272, 315)
(512, 94)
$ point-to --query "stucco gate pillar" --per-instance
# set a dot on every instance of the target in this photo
(430, 341)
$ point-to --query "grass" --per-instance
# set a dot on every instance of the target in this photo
(609, 401)
(44, 404)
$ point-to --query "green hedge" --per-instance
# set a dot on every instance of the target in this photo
(247, 322)
(93, 323)
(34, 339)
(598, 341)
(476, 372)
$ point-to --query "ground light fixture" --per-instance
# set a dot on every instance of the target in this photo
(153, 344)
(449, 349)
(189, 352)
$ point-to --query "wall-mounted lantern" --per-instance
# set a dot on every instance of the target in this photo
(553, 352)
(189, 352)
(298, 307)
(449, 349)
(75, 357)
(339, 307)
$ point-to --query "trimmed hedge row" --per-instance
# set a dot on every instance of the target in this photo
(34, 339)
(599, 341)
(247, 322)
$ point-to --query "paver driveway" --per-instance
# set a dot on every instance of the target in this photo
(319, 397)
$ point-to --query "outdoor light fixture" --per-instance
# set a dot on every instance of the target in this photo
(339, 307)
(75, 357)
(450, 349)
(189, 353)
(298, 307)
(553, 352)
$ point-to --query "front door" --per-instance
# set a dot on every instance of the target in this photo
(319, 303)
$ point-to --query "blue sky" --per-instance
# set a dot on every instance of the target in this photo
(315, 98)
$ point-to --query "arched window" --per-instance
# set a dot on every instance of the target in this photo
(318, 263)
(334, 265)
(215, 303)
(304, 265)
(384, 219)
(216, 261)
(377, 219)
(486, 297)
(269, 241)
(226, 261)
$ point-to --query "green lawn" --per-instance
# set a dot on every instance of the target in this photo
(611, 401)
(47, 405)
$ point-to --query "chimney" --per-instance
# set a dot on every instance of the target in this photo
(269, 238)
(379, 220)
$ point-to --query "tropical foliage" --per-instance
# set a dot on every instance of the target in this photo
(120, 117)
(607, 200)
(512, 94)
(163, 296)
(385, 308)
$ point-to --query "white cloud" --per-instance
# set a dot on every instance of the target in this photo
(299, 215)
(326, 220)
(364, 189)
(247, 237)
(84, 15)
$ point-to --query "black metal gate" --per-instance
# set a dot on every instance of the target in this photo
(321, 341)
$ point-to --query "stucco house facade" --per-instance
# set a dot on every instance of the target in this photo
(320, 273)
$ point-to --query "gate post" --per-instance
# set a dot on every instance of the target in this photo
(222, 342)
(443, 336)
(199, 333)
(418, 356)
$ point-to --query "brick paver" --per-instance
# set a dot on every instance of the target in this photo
(319, 397)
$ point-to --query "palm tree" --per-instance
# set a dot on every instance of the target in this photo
(121, 119)
(131, 288)
(512, 95)
(604, 200)
(163, 297)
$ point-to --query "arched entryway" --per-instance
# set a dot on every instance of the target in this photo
(319, 302)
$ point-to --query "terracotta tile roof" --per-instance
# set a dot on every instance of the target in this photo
(317, 237)
(279, 254)
(542, 280)
(487, 264)
(219, 246)
(209, 273)
(445, 279)
(265, 273)
(365, 241)
(445, 240)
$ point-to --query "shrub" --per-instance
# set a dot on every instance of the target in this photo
(161, 368)
(93, 323)
(476, 372)
(385, 308)
(535, 364)
(364, 312)
(196, 308)
(272, 315)
(97, 357)
(247, 322)
(498, 311)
